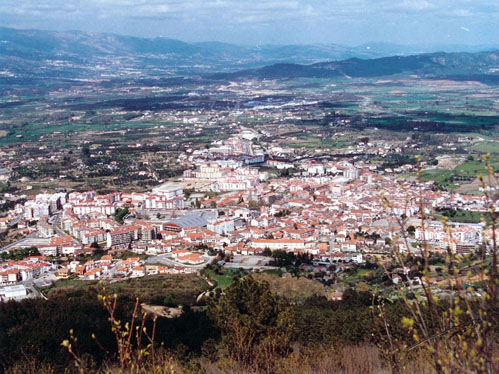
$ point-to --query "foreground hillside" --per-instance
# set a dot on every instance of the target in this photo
(259, 324)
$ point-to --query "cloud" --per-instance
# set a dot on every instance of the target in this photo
(315, 20)
(279, 9)
(414, 5)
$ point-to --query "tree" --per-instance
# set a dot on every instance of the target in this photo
(362, 287)
(282, 258)
(267, 252)
(253, 205)
(256, 327)
(120, 214)
(85, 151)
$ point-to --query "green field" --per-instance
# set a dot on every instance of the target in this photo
(470, 169)
(441, 177)
(33, 131)
(224, 279)
(486, 147)
(359, 275)
(464, 216)
(312, 142)
(463, 174)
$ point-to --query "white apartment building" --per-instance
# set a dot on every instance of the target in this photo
(221, 226)
(273, 244)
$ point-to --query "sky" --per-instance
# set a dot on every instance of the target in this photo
(255, 22)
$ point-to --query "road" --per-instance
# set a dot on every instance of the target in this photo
(16, 220)
(54, 220)
(33, 285)
(34, 239)
(328, 156)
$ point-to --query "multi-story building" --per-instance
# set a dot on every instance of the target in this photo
(34, 210)
(43, 205)
(96, 236)
(45, 228)
(169, 190)
(155, 201)
(273, 244)
(103, 207)
(122, 236)
(48, 250)
(221, 226)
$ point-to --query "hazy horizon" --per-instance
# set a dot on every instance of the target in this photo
(481, 46)
(344, 22)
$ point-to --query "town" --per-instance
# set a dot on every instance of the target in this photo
(233, 202)
(263, 187)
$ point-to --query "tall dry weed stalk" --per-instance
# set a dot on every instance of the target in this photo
(459, 332)
(137, 351)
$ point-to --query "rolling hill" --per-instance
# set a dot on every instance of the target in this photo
(482, 66)
(76, 54)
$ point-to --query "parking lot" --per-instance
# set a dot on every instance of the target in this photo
(249, 262)
(31, 241)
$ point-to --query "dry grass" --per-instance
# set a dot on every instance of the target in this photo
(290, 288)
(30, 366)
(359, 359)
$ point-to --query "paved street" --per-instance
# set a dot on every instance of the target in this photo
(54, 220)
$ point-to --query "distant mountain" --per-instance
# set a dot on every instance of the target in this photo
(76, 54)
(461, 65)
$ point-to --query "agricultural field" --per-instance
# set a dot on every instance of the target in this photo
(127, 135)
(491, 147)
(464, 216)
(441, 177)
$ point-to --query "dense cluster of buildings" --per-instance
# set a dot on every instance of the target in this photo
(106, 267)
(329, 209)
(5, 174)
(336, 211)
(43, 205)
(12, 271)
(225, 176)
(225, 167)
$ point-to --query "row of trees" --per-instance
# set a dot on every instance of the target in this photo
(19, 254)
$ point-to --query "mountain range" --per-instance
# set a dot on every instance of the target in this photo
(481, 66)
(70, 54)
